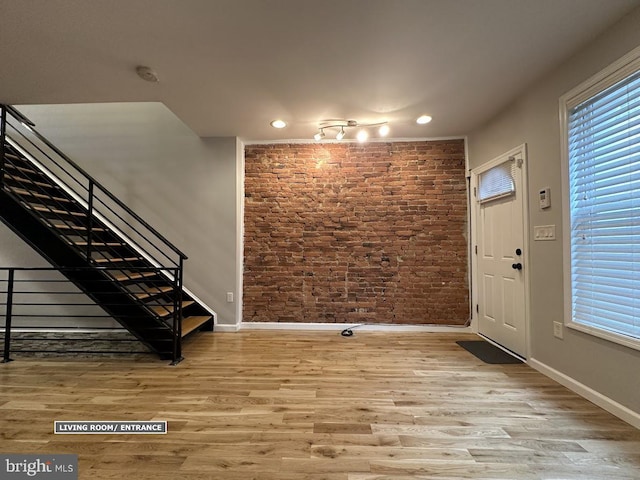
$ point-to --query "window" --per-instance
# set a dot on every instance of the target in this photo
(601, 135)
(497, 182)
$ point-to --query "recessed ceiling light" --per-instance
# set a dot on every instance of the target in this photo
(423, 119)
(383, 131)
(278, 123)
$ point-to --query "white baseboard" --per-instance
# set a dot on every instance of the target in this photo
(219, 327)
(226, 328)
(343, 326)
(611, 406)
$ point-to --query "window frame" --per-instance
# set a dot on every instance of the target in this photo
(609, 76)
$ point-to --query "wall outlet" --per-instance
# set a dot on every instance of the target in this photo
(557, 329)
(229, 297)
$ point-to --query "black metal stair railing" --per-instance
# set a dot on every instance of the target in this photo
(75, 212)
(19, 132)
(33, 295)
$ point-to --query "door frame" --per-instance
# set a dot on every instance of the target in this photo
(520, 150)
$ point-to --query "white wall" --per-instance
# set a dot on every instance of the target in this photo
(608, 369)
(14, 252)
(181, 184)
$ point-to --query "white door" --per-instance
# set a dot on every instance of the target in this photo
(500, 250)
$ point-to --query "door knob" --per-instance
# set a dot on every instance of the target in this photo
(516, 266)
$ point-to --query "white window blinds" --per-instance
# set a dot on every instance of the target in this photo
(604, 208)
(497, 182)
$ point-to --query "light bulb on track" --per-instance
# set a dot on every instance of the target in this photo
(362, 136)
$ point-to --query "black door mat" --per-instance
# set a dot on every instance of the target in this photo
(487, 352)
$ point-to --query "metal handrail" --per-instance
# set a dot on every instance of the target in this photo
(92, 212)
(84, 195)
(30, 125)
(3, 134)
(10, 281)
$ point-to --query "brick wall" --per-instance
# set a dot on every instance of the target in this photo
(354, 233)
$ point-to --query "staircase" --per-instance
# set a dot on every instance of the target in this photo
(111, 254)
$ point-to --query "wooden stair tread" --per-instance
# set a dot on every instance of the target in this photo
(122, 277)
(189, 324)
(152, 292)
(98, 244)
(116, 260)
(33, 182)
(14, 157)
(164, 310)
(20, 167)
(45, 209)
(22, 191)
(63, 226)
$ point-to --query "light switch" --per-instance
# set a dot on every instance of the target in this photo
(544, 232)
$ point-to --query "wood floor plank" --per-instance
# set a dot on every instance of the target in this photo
(260, 405)
(348, 428)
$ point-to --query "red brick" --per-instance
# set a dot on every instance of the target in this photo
(340, 233)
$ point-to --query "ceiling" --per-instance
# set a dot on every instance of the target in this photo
(229, 67)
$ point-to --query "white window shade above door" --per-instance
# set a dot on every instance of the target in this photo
(497, 182)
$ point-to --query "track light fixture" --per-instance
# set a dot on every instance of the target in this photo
(343, 127)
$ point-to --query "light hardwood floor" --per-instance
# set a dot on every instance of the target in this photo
(310, 406)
